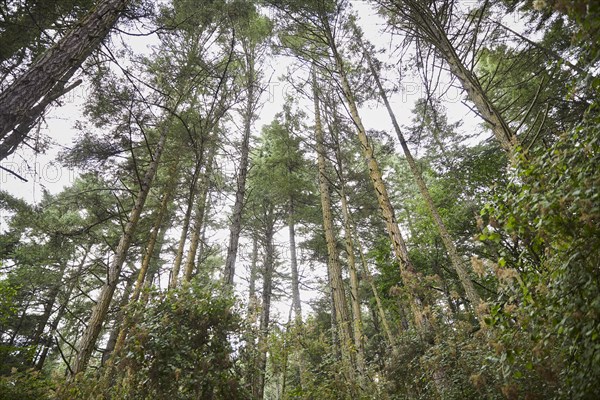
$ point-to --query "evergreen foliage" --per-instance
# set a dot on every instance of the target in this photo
(199, 255)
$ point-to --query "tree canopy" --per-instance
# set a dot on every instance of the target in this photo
(325, 199)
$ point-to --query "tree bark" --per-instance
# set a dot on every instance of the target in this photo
(202, 246)
(409, 276)
(354, 290)
(455, 259)
(120, 321)
(236, 217)
(90, 335)
(186, 225)
(333, 262)
(250, 333)
(252, 299)
(49, 306)
(426, 25)
(61, 311)
(504, 135)
(51, 70)
(146, 261)
(296, 304)
(154, 263)
(199, 218)
(265, 314)
(357, 324)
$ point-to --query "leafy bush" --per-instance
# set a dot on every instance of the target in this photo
(178, 348)
(26, 385)
(546, 225)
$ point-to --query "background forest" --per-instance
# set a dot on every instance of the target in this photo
(224, 238)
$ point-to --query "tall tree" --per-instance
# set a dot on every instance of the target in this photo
(408, 273)
(194, 188)
(254, 32)
(24, 101)
(265, 212)
(199, 219)
(30, 28)
(154, 242)
(94, 325)
(429, 23)
(333, 262)
(457, 263)
(357, 323)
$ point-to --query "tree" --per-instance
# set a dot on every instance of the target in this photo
(121, 330)
(28, 29)
(457, 263)
(255, 30)
(546, 265)
(94, 325)
(264, 210)
(427, 23)
(333, 262)
(177, 347)
(24, 101)
(38, 266)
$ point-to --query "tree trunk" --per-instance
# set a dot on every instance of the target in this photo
(250, 334)
(410, 278)
(50, 71)
(236, 217)
(186, 225)
(296, 304)
(354, 291)
(15, 333)
(423, 21)
(146, 261)
(335, 337)
(202, 254)
(265, 314)
(199, 218)
(154, 262)
(252, 299)
(357, 324)
(457, 263)
(505, 136)
(367, 274)
(157, 233)
(49, 307)
(41, 359)
(120, 321)
(90, 335)
(333, 262)
(61, 312)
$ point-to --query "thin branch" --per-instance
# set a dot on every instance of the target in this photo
(62, 355)
(13, 173)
